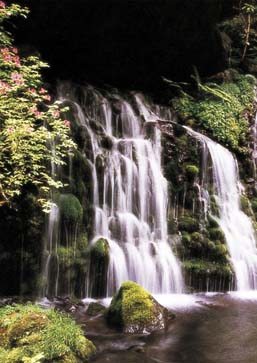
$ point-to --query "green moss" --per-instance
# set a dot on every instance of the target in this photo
(215, 210)
(201, 267)
(212, 223)
(245, 205)
(65, 255)
(254, 204)
(99, 263)
(191, 171)
(221, 249)
(101, 248)
(95, 308)
(28, 332)
(216, 234)
(186, 238)
(131, 305)
(220, 108)
(70, 207)
(188, 224)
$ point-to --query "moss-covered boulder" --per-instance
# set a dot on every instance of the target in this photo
(71, 209)
(134, 310)
(188, 224)
(94, 308)
(246, 206)
(191, 171)
(99, 263)
(31, 334)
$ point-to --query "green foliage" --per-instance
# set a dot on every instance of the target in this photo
(29, 122)
(241, 29)
(223, 110)
(30, 334)
(71, 208)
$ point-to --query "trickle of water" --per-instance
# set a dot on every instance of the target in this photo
(130, 191)
(236, 225)
(51, 268)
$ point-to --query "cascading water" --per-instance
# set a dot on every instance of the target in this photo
(51, 268)
(129, 190)
(236, 225)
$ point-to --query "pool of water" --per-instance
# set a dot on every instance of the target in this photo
(210, 328)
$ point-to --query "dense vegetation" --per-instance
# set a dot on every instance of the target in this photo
(29, 334)
(224, 110)
(33, 134)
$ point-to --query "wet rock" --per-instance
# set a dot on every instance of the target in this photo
(137, 349)
(134, 310)
(107, 142)
(95, 308)
(99, 262)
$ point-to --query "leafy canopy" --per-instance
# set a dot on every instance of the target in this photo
(33, 134)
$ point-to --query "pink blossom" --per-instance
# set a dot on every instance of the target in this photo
(16, 60)
(17, 78)
(2, 5)
(15, 50)
(35, 111)
(47, 97)
(42, 90)
(29, 129)
(66, 123)
(56, 113)
(4, 87)
(9, 58)
(5, 52)
(32, 91)
(10, 129)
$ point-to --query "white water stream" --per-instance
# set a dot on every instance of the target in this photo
(130, 192)
(236, 225)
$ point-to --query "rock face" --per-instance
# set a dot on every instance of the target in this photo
(134, 310)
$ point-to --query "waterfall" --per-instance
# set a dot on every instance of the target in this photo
(50, 266)
(130, 193)
(236, 225)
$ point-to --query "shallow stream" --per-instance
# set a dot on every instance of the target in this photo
(212, 328)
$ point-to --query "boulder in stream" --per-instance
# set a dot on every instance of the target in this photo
(134, 310)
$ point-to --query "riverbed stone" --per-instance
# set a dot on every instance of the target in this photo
(94, 308)
(134, 310)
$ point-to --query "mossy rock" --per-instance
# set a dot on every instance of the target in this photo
(191, 171)
(99, 263)
(254, 204)
(28, 331)
(134, 310)
(212, 222)
(71, 209)
(101, 248)
(246, 206)
(188, 224)
(95, 308)
(215, 210)
(216, 234)
(186, 239)
(201, 267)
